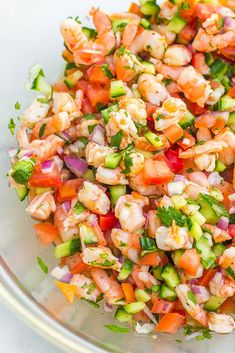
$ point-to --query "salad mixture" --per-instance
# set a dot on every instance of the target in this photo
(128, 165)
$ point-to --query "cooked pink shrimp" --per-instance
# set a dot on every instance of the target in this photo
(100, 256)
(137, 184)
(35, 113)
(204, 134)
(151, 42)
(83, 127)
(137, 164)
(73, 36)
(172, 238)
(216, 94)
(221, 286)
(22, 138)
(227, 155)
(199, 178)
(219, 235)
(199, 63)
(110, 176)
(153, 223)
(94, 198)
(168, 10)
(127, 243)
(194, 86)
(208, 42)
(63, 102)
(177, 55)
(212, 24)
(57, 123)
(165, 32)
(136, 107)
(130, 32)
(85, 287)
(41, 206)
(192, 309)
(129, 211)
(151, 88)
(69, 226)
(212, 146)
(168, 71)
(228, 259)
(95, 154)
(91, 228)
(143, 279)
(221, 323)
(108, 285)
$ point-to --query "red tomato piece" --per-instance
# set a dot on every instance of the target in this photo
(176, 163)
(46, 232)
(108, 221)
(157, 172)
(45, 180)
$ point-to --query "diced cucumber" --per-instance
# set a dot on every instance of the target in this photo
(170, 275)
(187, 120)
(134, 308)
(209, 59)
(148, 245)
(211, 209)
(70, 247)
(157, 272)
(22, 191)
(149, 67)
(176, 24)
(154, 139)
(89, 32)
(218, 68)
(219, 166)
(178, 201)
(199, 218)
(213, 303)
(120, 24)
(87, 234)
(78, 208)
(89, 175)
(177, 255)
(141, 295)
(106, 112)
(218, 249)
(113, 160)
(145, 23)
(225, 103)
(22, 171)
(122, 316)
(72, 79)
(116, 191)
(37, 81)
(150, 8)
(194, 228)
(217, 194)
(209, 262)
(231, 121)
(203, 247)
(167, 293)
(117, 89)
(126, 270)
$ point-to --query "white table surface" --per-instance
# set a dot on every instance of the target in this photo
(16, 337)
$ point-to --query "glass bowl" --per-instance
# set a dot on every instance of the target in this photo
(29, 34)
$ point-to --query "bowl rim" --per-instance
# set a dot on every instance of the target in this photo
(17, 299)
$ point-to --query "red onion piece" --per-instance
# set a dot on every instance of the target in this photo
(67, 278)
(12, 152)
(66, 206)
(179, 177)
(97, 135)
(60, 150)
(196, 289)
(77, 165)
(108, 308)
(223, 223)
(150, 315)
(65, 135)
(47, 166)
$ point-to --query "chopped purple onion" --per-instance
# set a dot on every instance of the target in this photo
(108, 308)
(223, 223)
(66, 206)
(65, 135)
(67, 278)
(60, 150)
(77, 165)
(196, 289)
(47, 166)
(179, 177)
(150, 315)
(97, 135)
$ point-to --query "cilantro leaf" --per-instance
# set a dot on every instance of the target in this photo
(11, 126)
(203, 333)
(116, 328)
(42, 130)
(167, 215)
(17, 106)
(42, 264)
(106, 71)
(230, 272)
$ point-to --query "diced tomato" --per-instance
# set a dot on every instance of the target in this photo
(108, 221)
(190, 261)
(157, 172)
(79, 268)
(97, 94)
(73, 261)
(187, 14)
(187, 33)
(67, 289)
(194, 108)
(134, 8)
(128, 292)
(187, 142)
(170, 323)
(150, 108)
(176, 163)
(68, 190)
(198, 62)
(97, 75)
(231, 230)
(174, 133)
(82, 85)
(87, 108)
(45, 180)
(47, 233)
(124, 73)
(203, 11)
(206, 120)
(231, 92)
(60, 87)
(228, 307)
(204, 281)
(161, 306)
(152, 259)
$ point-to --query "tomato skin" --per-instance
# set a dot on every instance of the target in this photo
(108, 221)
(96, 94)
(231, 230)
(96, 75)
(50, 180)
(190, 261)
(157, 172)
(68, 190)
(176, 163)
(152, 259)
(46, 232)
(170, 323)
(161, 306)
(150, 108)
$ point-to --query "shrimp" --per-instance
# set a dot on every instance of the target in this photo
(101, 256)
(57, 123)
(135, 107)
(168, 11)
(177, 55)
(151, 42)
(110, 176)
(73, 36)
(144, 145)
(220, 323)
(95, 154)
(212, 24)
(165, 32)
(22, 138)
(94, 198)
(217, 93)
(194, 86)
(137, 184)
(151, 89)
(121, 122)
(127, 243)
(205, 42)
(137, 163)
(129, 211)
(86, 288)
(35, 113)
(219, 235)
(204, 134)
(63, 102)
(172, 238)
(221, 286)
(213, 146)
(228, 154)
(130, 32)
(199, 63)
(192, 309)
(153, 223)
(41, 206)
(142, 278)
(227, 260)
(43, 149)
(78, 148)
(205, 162)
(109, 286)
(83, 127)
(172, 72)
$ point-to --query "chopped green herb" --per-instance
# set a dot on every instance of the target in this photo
(117, 329)
(159, 117)
(189, 170)
(167, 215)
(178, 341)
(116, 139)
(91, 128)
(17, 106)
(204, 333)
(230, 272)
(100, 106)
(106, 71)
(83, 140)
(42, 264)
(78, 207)
(11, 126)
(89, 116)
(191, 297)
(42, 130)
